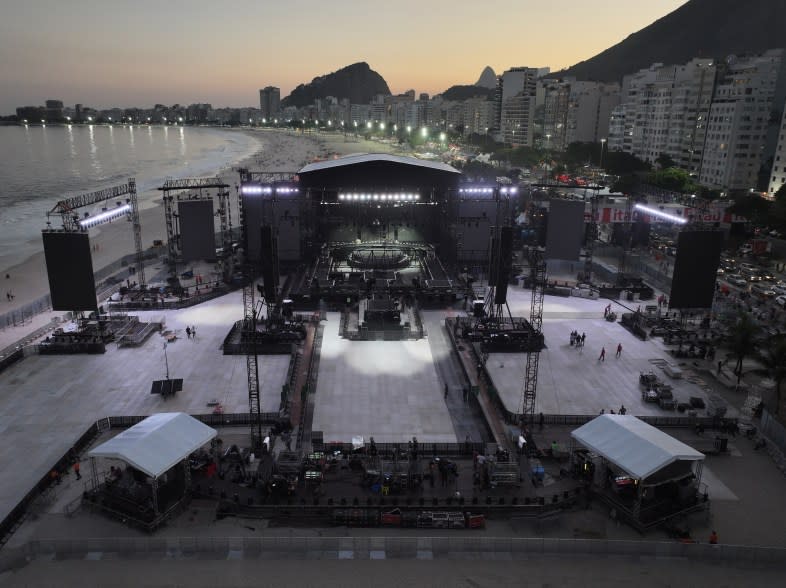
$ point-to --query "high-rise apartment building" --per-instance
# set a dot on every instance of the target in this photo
(664, 111)
(747, 90)
(270, 102)
(577, 111)
(778, 175)
(517, 96)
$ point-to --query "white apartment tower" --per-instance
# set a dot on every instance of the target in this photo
(589, 111)
(738, 123)
(664, 110)
(517, 97)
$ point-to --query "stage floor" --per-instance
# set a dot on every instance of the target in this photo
(386, 389)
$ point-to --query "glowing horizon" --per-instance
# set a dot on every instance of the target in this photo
(126, 54)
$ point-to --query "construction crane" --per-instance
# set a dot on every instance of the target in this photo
(67, 209)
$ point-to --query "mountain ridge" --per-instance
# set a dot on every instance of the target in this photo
(698, 28)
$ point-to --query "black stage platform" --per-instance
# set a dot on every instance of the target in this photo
(347, 272)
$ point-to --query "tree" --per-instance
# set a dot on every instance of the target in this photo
(626, 184)
(772, 358)
(753, 207)
(665, 161)
(742, 341)
(674, 179)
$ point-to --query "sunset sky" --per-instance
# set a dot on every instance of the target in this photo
(141, 52)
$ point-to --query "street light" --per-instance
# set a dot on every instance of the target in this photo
(602, 145)
(166, 361)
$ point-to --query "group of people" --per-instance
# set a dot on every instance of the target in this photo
(622, 410)
(576, 339)
(602, 356)
(191, 332)
(9, 296)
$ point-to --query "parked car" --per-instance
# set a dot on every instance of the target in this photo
(781, 300)
(736, 280)
(779, 288)
(763, 291)
(767, 276)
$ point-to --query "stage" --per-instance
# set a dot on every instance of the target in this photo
(386, 389)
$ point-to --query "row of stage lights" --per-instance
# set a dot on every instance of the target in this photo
(487, 190)
(397, 197)
(105, 216)
(268, 190)
(660, 214)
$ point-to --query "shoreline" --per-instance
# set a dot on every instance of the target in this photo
(276, 150)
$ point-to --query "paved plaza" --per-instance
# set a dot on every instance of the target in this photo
(48, 401)
(572, 380)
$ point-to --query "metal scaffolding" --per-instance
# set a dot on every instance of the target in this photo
(252, 368)
(67, 208)
(173, 228)
(537, 269)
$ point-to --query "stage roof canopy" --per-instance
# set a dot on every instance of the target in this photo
(632, 445)
(157, 443)
(359, 158)
(379, 170)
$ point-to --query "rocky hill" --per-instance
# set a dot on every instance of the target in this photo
(487, 79)
(699, 28)
(467, 92)
(358, 82)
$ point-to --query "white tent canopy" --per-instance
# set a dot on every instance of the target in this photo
(159, 442)
(632, 445)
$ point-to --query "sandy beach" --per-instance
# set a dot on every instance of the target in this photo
(279, 151)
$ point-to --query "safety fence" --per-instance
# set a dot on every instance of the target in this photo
(18, 514)
(464, 543)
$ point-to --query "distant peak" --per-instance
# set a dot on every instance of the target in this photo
(487, 79)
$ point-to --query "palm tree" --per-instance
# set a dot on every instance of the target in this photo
(742, 340)
(772, 358)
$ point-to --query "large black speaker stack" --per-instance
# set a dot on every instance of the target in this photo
(504, 263)
(695, 269)
(269, 260)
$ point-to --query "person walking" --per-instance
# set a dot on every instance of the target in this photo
(76, 470)
(193, 331)
(188, 332)
(446, 391)
(583, 336)
(713, 538)
(619, 350)
(602, 356)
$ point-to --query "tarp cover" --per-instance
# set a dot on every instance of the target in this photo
(632, 445)
(157, 443)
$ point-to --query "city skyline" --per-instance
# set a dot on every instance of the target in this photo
(141, 53)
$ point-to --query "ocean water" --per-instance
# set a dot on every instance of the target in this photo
(42, 165)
